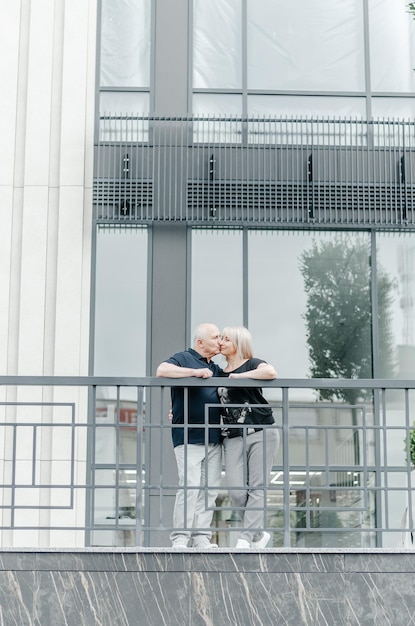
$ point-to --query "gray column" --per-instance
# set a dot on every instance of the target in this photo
(171, 57)
(167, 336)
(168, 254)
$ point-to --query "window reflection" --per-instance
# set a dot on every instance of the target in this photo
(120, 302)
(117, 464)
(298, 45)
(217, 44)
(125, 43)
(304, 120)
(115, 124)
(397, 254)
(317, 319)
(392, 46)
(217, 277)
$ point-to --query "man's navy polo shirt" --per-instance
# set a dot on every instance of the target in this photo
(198, 397)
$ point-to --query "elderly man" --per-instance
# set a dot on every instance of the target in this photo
(199, 477)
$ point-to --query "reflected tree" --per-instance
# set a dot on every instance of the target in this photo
(337, 280)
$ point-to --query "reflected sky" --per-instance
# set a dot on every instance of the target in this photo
(121, 301)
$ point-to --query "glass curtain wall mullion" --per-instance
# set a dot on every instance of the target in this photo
(188, 329)
(245, 285)
(366, 52)
(245, 108)
(152, 58)
(97, 127)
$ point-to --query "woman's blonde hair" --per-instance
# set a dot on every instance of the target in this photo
(241, 339)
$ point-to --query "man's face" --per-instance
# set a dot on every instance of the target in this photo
(210, 345)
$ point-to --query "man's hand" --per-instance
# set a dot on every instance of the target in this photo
(203, 372)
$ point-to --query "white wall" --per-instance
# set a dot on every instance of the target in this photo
(46, 171)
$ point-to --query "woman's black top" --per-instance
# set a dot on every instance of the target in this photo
(247, 398)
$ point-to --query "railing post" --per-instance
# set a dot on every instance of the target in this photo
(139, 460)
(286, 468)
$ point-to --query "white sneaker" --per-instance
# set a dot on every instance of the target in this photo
(243, 543)
(261, 543)
(203, 543)
(180, 542)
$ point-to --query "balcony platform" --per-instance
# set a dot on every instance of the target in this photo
(154, 586)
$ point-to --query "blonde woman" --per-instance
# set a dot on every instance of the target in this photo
(249, 449)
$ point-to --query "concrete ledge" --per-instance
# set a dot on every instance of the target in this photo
(143, 586)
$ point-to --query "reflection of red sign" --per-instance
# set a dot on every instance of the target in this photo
(107, 415)
(128, 416)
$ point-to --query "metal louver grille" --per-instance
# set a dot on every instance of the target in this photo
(250, 201)
(123, 199)
(258, 171)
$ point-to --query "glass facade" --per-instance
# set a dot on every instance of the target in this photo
(217, 36)
(349, 52)
(344, 50)
(124, 56)
(396, 255)
(217, 287)
(120, 302)
(298, 45)
(391, 47)
(309, 298)
(320, 302)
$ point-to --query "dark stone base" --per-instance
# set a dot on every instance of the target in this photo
(140, 587)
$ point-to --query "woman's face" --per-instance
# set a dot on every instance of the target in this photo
(227, 347)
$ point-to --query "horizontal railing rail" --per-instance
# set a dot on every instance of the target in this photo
(89, 461)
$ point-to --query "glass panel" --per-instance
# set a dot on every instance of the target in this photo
(313, 320)
(216, 286)
(396, 284)
(397, 134)
(120, 113)
(397, 462)
(287, 110)
(328, 493)
(311, 316)
(114, 507)
(217, 104)
(395, 126)
(120, 302)
(116, 426)
(115, 460)
(309, 106)
(392, 46)
(223, 106)
(125, 43)
(217, 44)
(305, 45)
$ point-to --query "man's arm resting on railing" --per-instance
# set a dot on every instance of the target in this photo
(169, 370)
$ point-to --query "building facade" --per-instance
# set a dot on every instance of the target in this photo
(169, 162)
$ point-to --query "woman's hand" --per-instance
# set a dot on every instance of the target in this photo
(264, 371)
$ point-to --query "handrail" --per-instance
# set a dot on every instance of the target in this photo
(153, 381)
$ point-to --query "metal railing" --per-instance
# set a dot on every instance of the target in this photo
(89, 461)
(264, 171)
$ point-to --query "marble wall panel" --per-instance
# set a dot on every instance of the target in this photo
(132, 586)
(375, 599)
